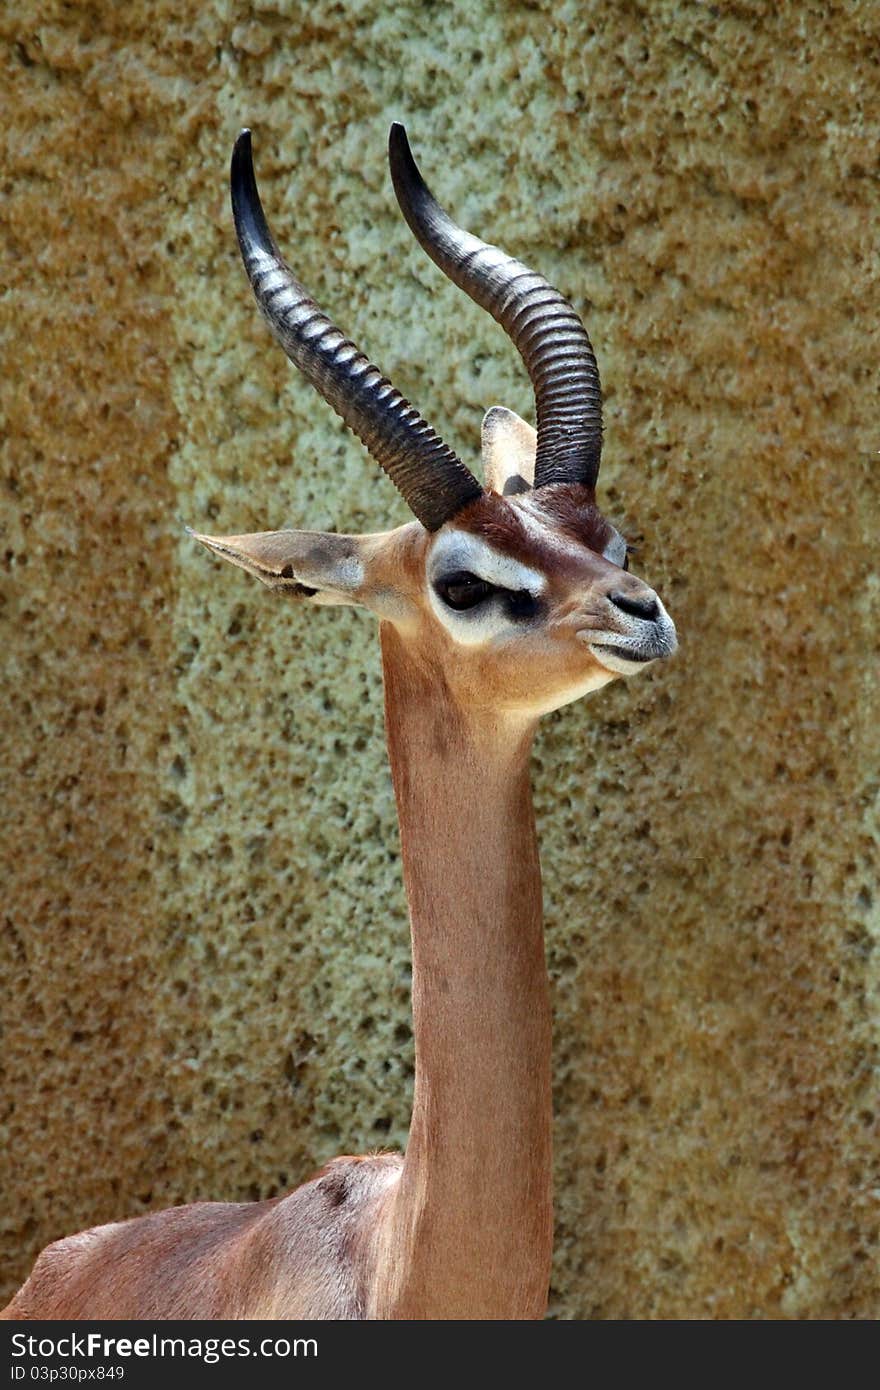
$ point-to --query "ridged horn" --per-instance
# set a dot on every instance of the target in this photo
(433, 480)
(550, 336)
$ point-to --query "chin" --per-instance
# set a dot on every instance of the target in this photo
(582, 685)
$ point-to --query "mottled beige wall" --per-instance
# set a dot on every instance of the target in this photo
(205, 950)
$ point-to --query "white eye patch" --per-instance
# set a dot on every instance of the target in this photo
(459, 552)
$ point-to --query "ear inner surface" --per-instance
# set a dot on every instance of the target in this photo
(509, 446)
(294, 560)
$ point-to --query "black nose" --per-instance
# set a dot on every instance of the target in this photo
(647, 608)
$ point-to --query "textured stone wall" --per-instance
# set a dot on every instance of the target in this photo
(205, 951)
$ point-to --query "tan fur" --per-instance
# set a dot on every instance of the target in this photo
(297, 1256)
(462, 1227)
(470, 1231)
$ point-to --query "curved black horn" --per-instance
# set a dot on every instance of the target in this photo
(551, 339)
(433, 480)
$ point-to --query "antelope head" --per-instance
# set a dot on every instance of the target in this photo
(516, 593)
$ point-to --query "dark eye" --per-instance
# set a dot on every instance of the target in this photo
(521, 604)
(463, 590)
(625, 565)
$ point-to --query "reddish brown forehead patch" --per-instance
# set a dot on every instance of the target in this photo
(568, 510)
(571, 509)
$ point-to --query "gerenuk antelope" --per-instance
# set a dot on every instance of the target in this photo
(498, 603)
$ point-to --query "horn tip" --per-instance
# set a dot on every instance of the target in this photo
(409, 186)
(399, 151)
(242, 156)
(250, 220)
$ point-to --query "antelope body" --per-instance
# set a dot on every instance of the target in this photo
(497, 604)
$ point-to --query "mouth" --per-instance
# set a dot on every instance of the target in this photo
(624, 658)
(622, 653)
(622, 661)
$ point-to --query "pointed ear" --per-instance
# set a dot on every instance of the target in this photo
(315, 565)
(508, 452)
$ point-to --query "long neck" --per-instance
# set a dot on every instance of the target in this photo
(470, 1233)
